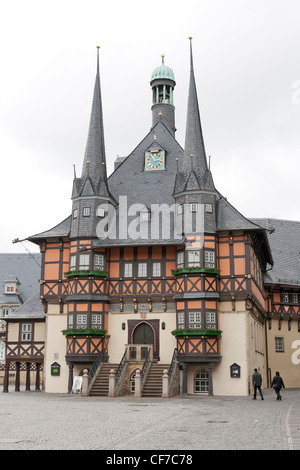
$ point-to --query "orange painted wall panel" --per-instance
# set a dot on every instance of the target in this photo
(51, 271)
(223, 249)
(128, 253)
(156, 252)
(52, 255)
(224, 267)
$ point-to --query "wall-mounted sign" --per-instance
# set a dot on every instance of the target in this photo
(55, 368)
(235, 371)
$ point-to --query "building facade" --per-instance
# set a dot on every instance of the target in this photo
(155, 270)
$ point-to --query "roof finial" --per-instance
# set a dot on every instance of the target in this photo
(74, 169)
(98, 47)
(191, 52)
(163, 58)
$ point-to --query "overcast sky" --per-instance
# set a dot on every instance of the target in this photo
(247, 69)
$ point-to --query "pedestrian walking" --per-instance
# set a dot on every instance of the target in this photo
(257, 382)
(277, 384)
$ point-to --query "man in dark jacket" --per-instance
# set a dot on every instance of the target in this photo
(257, 382)
(277, 384)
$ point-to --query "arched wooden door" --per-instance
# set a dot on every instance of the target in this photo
(144, 334)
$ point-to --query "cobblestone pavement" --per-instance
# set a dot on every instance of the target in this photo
(39, 421)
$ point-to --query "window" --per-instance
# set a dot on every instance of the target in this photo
(180, 209)
(132, 382)
(75, 213)
(100, 212)
(81, 321)
(142, 269)
(285, 298)
(5, 312)
(294, 298)
(84, 261)
(26, 332)
(210, 319)
(99, 262)
(194, 319)
(128, 270)
(72, 263)
(209, 208)
(96, 320)
(180, 320)
(193, 207)
(209, 259)
(279, 346)
(70, 320)
(180, 259)
(86, 212)
(201, 381)
(193, 259)
(156, 270)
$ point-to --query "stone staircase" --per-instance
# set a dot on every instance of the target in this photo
(153, 385)
(100, 386)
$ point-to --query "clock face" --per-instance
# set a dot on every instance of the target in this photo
(155, 160)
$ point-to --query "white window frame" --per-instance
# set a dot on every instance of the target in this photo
(194, 258)
(72, 265)
(81, 320)
(209, 259)
(201, 381)
(75, 213)
(99, 261)
(142, 269)
(210, 319)
(195, 320)
(279, 344)
(180, 259)
(285, 297)
(181, 320)
(84, 261)
(128, 270)
(26, 332)
(156, 269)
(97, 320)
(295, 298)
(86, 212)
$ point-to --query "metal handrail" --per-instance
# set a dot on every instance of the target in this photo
(173, 362)
(145, 366)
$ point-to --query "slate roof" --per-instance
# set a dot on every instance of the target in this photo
(27, 270)
(31, 309)
(285, 246)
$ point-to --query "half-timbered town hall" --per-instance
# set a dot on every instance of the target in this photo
(155, 280)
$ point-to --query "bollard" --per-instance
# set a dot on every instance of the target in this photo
(137, 391)
(165, 384)
(112, 383)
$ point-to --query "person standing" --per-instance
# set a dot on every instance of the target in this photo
(257, 382)
(277, 384)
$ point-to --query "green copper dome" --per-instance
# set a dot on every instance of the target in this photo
(162, 71)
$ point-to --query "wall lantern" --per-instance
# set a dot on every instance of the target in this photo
(123, 326)
(163, 326)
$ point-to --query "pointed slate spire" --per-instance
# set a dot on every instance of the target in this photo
(194, 143)
(95, 148)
